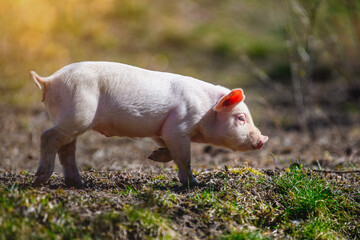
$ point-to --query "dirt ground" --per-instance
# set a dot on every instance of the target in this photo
(191, 214)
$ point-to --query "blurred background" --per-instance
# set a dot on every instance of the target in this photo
(298, 62)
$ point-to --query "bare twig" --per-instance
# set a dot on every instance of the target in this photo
(337, 172)
(261, 75)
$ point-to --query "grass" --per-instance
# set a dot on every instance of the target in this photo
(318, 207)
(245, 235)
(29, 215)
(35, 215)
(240, 203)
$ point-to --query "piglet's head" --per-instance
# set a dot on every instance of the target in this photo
(233, 126)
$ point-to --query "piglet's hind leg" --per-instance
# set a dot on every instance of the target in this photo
(51, 140)
(67, 159)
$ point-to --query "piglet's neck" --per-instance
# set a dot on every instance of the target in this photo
(203, 131)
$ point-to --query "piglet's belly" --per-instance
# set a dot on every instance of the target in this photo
(111, 129)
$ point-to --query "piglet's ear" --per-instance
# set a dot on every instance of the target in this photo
(230, 101)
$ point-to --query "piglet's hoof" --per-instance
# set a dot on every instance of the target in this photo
(190, 183)
(160, 155)
(42, 176)
(39, 181)
(76, 183)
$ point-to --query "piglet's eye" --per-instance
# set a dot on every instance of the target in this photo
(241, 118)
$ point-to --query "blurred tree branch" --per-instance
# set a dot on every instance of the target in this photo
(300, 34)
(353, 11)
(354, 15)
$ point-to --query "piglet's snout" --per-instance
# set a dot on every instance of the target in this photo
(261, 142)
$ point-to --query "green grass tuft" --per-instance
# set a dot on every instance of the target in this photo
(246, 235)
(313, 207)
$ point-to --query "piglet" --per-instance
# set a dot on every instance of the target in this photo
(120, 100)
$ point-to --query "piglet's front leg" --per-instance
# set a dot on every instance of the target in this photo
(162, 154)
(179, 147)
(178, 142)
(180, 151)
